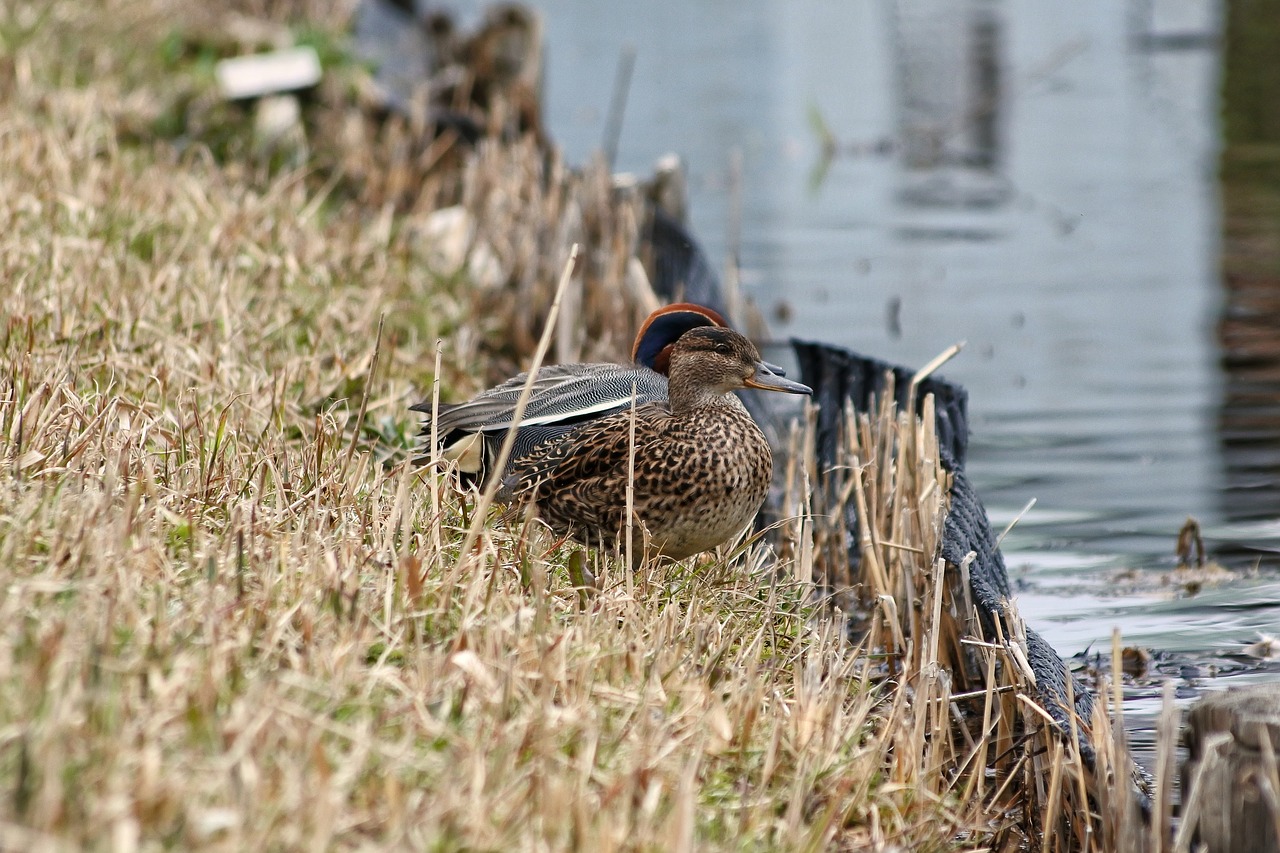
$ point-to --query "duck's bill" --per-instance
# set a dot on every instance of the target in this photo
(764, 380)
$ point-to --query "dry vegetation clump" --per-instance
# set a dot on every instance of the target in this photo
(500, 211)
(982, 732)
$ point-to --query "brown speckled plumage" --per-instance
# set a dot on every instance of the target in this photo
(702, 465)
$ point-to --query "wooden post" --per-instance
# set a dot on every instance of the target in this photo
(1230, 785)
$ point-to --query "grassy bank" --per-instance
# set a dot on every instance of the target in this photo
(234, 617)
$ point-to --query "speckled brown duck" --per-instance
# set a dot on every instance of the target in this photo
(564, 398)
(701, 466)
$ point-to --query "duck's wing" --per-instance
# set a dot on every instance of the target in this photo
(495, 404)
(559, 393)
(563, 398)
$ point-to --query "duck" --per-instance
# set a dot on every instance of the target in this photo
(701, 467)
(563, 398)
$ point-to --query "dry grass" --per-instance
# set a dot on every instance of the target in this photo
(235, 617)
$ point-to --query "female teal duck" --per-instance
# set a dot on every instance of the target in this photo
(565, 396)
(701, 465)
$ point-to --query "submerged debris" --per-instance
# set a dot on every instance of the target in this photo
(1266, 648)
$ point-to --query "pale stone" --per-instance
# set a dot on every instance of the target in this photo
(268, 73)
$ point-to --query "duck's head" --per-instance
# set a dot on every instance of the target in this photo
(711, 362)
(652, 347)
(658, 336)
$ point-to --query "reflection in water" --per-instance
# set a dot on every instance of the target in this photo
(1249, 422)
(949, 102)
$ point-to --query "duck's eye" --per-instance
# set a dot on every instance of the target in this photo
(724, 349)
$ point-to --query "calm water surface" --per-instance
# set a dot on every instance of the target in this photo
(1037, 179)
